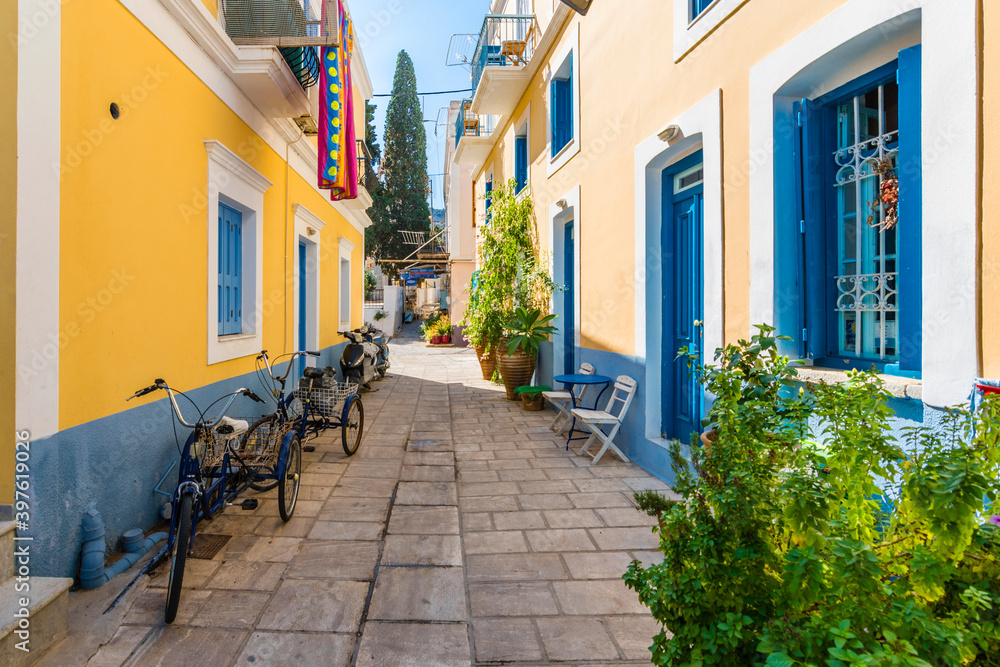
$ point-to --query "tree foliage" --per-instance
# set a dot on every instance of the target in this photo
(858, 551)
(402, 201)
(510, 272)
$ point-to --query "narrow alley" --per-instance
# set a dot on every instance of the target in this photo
(462, 532)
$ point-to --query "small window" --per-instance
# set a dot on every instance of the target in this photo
(698, 7)
(489, 198)
(521, 162)
(345, 290)
(561, 102)
(230, 271)
(688, 179)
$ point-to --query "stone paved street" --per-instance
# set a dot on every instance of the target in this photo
(461, 533)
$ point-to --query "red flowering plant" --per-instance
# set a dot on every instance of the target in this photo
(888, 196)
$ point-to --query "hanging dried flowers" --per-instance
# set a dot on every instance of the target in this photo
(888, 196)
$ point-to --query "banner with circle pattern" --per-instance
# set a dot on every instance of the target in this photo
(338, 164)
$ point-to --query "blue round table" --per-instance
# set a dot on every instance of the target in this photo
(573, 379)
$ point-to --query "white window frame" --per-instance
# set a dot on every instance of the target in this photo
(572, 46)
(948, 132)
(523, 121)
(346, 247)
(308, 226)
(690, 31)
(235, 183)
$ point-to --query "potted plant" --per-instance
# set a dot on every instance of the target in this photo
(510, 274)
(519, 351)
(428, 330)
(443, 329)
(531, 397)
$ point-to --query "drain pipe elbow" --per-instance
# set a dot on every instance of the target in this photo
(93, 574)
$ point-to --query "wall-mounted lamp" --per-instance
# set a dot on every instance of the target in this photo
(672, 132)
(561, 203)
(310, 231)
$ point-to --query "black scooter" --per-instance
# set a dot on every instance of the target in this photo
(358, 361)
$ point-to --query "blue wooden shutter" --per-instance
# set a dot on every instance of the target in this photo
(553, 114)
(909, 170)
(230, 271)
(561, 95)
(815, 290)
(521, 162)
(489, 199)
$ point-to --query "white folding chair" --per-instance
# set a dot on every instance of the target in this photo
(614, 413)
(562, 401)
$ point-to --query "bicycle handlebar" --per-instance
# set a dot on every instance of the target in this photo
(161, 384)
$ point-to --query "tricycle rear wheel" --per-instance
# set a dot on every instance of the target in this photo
(288, 483)
(353, 425)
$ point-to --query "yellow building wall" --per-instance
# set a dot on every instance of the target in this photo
(133, 235)
(630, 88)
(989, 144)
(8, 246)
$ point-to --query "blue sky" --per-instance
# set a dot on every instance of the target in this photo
(423, 28)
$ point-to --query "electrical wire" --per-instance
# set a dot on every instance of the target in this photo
(436, 92)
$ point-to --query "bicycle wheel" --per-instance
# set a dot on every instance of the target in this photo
(269, 422)
(353, 425)
(288, 483)
(182, 540)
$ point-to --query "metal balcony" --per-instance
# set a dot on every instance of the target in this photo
(505, 40)
(367, 176)
(280, 22)
(469, 124)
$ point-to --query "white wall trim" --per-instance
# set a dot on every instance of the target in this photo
(571, 46)
(307, 218)
(346, 248)
(304, 221)
(39, 154)
(949, 121)
(701, 127)
(689, 33)
(234, 181)
(558, 217)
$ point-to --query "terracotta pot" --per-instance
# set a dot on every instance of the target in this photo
(436, 340)
(487, 361)
(533, 404)
(446, 339)
(515, 369)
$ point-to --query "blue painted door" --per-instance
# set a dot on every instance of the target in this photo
(302, 344)
(569, 300)
(681, 237)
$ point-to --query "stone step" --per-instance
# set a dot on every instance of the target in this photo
(6, 551)
(45, 623)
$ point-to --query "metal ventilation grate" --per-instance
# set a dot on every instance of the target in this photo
(281, 22)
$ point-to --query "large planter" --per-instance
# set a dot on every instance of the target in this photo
(533, 404)
(515, 369)
(487, 360)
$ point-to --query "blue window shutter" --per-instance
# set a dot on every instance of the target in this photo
(568, 94)
(521, 162)
(230, 271)
(816, 290)
(553, 114)
(909, 170)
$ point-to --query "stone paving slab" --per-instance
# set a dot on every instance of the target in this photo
(461, 533)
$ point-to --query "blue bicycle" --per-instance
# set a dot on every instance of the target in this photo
(218, 462)
(319, 402)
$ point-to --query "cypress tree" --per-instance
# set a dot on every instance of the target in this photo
(404, 166)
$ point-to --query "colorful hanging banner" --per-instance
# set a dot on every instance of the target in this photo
(338, 152)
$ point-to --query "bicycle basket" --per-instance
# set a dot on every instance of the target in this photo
(255, 448)
(325, 401)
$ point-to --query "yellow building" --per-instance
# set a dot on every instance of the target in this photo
(698, 167)
(154, 156)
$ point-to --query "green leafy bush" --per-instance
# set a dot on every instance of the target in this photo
(858, 551)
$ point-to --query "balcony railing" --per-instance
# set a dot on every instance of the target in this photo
(367, 177)
(505, 40)
(304, 63)
(471, 124)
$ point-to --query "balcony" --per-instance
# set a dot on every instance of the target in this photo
(367, 176)
(473, 135)
(500, 71)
